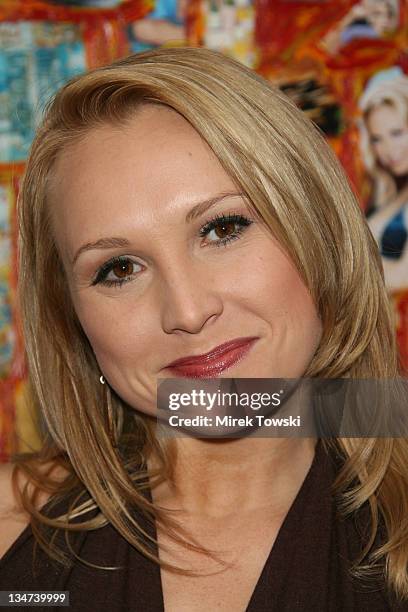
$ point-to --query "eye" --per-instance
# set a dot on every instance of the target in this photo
(115, 272)
(225, 228)
(397, 132)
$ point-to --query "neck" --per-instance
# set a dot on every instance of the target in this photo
(220, 477)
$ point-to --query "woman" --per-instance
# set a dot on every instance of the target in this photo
(384, 146)
(368, 19)
(139, 172)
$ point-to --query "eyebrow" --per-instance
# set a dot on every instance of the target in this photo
(197, 210)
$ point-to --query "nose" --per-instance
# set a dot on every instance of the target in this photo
(189, 299)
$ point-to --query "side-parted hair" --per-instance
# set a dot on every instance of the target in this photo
(296, 186)
(394, 94)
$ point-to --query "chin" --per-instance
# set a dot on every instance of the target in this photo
(399, 171)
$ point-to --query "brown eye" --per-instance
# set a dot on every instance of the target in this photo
(225, 227)
(116, 272)
(222, 229)
(123, 269)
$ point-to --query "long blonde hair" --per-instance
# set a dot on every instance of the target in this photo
(295, 184)
(391, 92)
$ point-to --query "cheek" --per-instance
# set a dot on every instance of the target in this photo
(115, 335)
(287, 304)
(303, 332)
(280, 285)
(379, 151)
(304, 324)
(121, 344)
(404, 144)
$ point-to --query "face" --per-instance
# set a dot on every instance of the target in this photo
(380, 15)
(389, 138)
(150, 287)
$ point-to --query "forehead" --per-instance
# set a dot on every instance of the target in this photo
(384, 113)
(152, 165)
(153, 135)
(377, 4)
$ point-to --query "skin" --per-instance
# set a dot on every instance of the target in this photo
(389, 138)
(388, 131)
(380, 15)
(160, 31)
(395, 270)
(157, 31)
(184, 297)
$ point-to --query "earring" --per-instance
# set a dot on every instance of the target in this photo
(102, 380)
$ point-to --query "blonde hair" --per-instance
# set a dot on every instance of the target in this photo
(295, 184)
(391, 92)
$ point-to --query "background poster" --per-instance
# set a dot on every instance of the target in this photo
(344, 62)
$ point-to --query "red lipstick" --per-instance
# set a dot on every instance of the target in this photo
(213, 363)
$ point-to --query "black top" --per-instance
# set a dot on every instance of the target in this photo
(306, 569)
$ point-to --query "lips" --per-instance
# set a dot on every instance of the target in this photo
(216, 361)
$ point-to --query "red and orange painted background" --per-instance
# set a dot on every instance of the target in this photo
(343, 62)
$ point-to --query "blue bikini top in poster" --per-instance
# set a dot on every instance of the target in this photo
(394, 237)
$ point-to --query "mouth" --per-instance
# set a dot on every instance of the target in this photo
(215, 362)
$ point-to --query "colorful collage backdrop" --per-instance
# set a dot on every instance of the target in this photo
(345, 63)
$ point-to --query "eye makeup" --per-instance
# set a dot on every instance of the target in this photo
(232, 225)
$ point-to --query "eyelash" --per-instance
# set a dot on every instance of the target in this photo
(208, 226)
(396, 133)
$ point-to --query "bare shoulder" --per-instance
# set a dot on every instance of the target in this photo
(13, 518)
